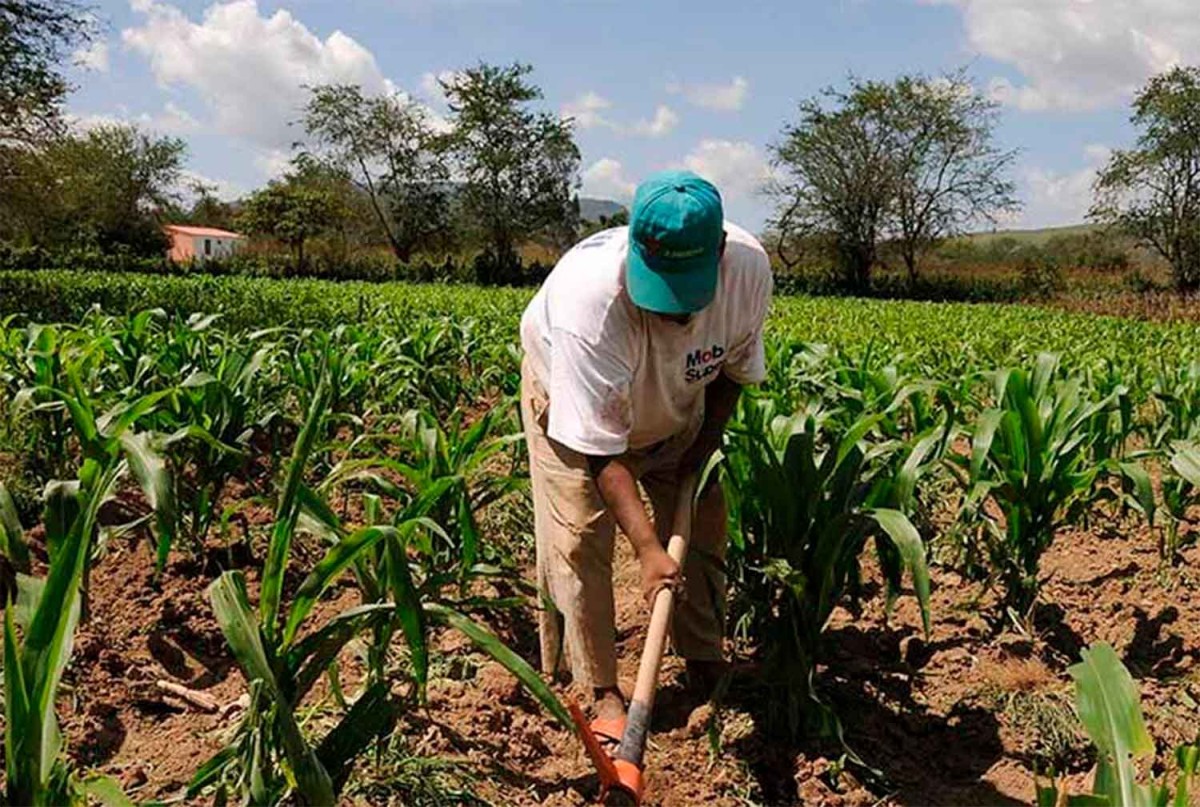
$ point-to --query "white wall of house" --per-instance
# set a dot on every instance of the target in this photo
(206, 247)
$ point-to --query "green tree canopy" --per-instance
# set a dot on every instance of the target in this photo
(911, 161)
(519, 167)
(1152, 191)
(948, 172)
(291, 211)
(389, 148)
(106, 188)
(36, 37)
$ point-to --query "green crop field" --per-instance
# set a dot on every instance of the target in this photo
(358, 442)
(1032, 237)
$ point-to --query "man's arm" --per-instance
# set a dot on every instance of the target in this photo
(720, 401)
(619, 490)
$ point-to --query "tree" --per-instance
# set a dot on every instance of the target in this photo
(1152, 191)
(948, 173)
(36, 37)
(911, 161)
(206, 209)
(104, 188)
(388, 146)
(519, 167)
(836, 177)
(289, 211)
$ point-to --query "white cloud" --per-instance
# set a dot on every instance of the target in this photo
(431, 84)
(273, 163)
(1079, 54)
(250, 70)
(737, 168)
(224, 189)
(94, 57)
(92, 120)
(587, 110)
(171, 120)
(605, 179)
(721, 97)
(1054, 198)
(663, 122)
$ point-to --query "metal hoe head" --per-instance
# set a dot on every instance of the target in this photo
(620, 780)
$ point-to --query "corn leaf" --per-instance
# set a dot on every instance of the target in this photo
(1185, 460)
(236, 619)
(490, 644)
(907, 540)
(336, 560)
(370, 716)
(1110, 710)
(105, 790)
(150, 470)
(287, 513)
(1143, 489)
(309, 657)
(12, 535)
(409, 612)
(16, 717)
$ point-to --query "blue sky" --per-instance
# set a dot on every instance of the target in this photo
(651, 85)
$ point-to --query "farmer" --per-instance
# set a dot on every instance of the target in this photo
(636, 350)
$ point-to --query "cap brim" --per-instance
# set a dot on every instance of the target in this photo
(686, 289)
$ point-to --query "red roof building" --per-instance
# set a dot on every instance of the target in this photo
(200, 243)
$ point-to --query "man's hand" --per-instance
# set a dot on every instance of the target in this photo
(619, 489)
(659, 571)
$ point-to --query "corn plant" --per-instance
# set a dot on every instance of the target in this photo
(1180, 493)
(1031, 455)
(450, 457)
(1176, 391)
(37, 646)
(270, 756)
(1108, 705)
(39, 362)
(804, 495)
(211, 418)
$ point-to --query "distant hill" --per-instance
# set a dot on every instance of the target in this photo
(593, 209)
(1032, 237)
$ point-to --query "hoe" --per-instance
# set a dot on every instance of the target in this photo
(621, 776)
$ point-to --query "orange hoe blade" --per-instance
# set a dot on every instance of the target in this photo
(623, 775)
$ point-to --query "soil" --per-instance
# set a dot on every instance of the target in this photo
(962, 717)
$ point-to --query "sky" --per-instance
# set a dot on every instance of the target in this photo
(650, 85)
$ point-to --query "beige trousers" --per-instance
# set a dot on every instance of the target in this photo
(575, 540)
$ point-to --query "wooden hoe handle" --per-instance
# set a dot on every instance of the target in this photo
(637, 723)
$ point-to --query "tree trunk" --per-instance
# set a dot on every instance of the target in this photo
(910, 263)
(300, 257)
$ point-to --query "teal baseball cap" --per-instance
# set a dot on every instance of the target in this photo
(675, 230)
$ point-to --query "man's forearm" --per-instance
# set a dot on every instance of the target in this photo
(619, 490)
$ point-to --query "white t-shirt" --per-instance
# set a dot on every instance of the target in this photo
(622, 378)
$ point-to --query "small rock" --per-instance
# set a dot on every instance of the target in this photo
(134, 777)
(977, 626)
(699, 719)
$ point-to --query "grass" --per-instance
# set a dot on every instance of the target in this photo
(1032, 237)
